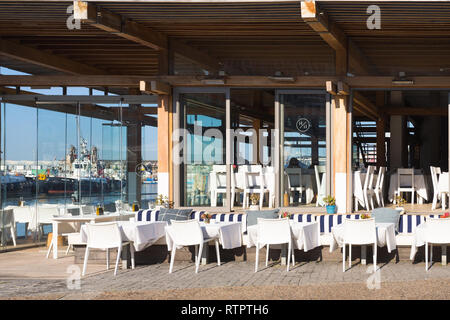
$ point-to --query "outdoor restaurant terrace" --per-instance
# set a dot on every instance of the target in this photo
(120, 117)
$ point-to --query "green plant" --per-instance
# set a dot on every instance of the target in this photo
(329, 200)
(400, 201)
(254, 198)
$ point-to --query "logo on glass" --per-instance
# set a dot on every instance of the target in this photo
(303, 125)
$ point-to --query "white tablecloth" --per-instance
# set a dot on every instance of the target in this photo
(305, 235)
(419, 184)
(229, 234)
(142, 233)
(385, 236)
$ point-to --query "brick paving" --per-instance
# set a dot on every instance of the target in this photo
(228, 276)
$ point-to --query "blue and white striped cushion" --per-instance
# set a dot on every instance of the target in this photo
(327, 221)
(232, 217)
(147, 215)
(409, 222)
(301, 217)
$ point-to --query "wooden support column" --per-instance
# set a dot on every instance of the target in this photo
(165, 168)
(256, 126)
(341, 148)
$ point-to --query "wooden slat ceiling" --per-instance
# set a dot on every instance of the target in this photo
(249, 38)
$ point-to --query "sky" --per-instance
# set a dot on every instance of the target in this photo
(27, 130)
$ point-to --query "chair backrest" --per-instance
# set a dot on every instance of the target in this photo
(380, 178)
(387, 215)
(7, 218)
(408, 181)
(45, 214)
(253, 176)
(23, 214)
(435, 172)
(273, 231)
(368, 182)
(269, 178)
(186, 232)
(318, 170)
(438, 230)
(219, 179)
(103, 235)
(294, 177)
(361, 231)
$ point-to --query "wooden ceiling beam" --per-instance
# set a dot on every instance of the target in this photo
(347, 52)
(126, 28)
(365, 104)
(31, 55)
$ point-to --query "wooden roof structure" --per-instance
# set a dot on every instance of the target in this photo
(255, 38)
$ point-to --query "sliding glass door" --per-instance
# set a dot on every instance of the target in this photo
(304, 148)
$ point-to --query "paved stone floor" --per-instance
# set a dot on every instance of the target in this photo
(237, 279)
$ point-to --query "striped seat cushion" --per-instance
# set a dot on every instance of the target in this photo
(301, 217)
(327, 221)
(409, 222)
(232, 217)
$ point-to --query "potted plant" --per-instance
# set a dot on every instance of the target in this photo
(365, 216)
(285, 215)
(399, 201)
(206, 217)
(163, 202)
(254, 200)
(331, 204)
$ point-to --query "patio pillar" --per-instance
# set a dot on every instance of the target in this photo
(341, 152)
(164, 142)
(134, 158)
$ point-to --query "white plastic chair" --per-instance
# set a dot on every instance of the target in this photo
(88, 210)
(44, 217)
(269, 177)
(189, 233)
(368, 189)
(236, 184)
(23, 215)
(105, 236)
(321, 184)
(7, 222)
(438, 232)
(294, 179)
(435, 173)
(408, 173)
(379, 186)
(274, 231)
(218, 182)
(359, 232)
(254, 182)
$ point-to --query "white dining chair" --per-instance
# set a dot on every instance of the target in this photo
(368, 190)
(437, 232)
(88, 209)
(294, 179)
(218, 183)
(7, 222)
(435, 173)
(254, 182)
(269, 179)
(236, 184)
(23, 215)
(105, 236)
(189, 233)
(274, 232)
(379, 186)
(407, 184)
(321, 184)
(359, 232)
(44, 217)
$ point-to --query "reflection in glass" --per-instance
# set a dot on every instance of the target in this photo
(204, 148)
(304, 149)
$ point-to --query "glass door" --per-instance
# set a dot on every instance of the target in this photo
(303, 120)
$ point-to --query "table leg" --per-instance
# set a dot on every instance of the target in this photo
(55, 239)
(363, 255)
(125, 255)
(283, 254)
(444, 254)
(205, 254)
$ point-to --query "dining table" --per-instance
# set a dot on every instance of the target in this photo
(305, 236)
(385, 237)
(420, 236)
(228, 233)
(59, 222)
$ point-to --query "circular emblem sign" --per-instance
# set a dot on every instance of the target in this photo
(141, 169)
(303, 125)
